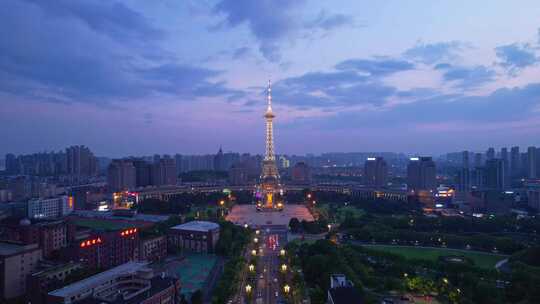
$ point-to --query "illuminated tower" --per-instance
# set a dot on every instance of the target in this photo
(270, 186)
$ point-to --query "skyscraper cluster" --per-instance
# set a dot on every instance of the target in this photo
(130, 173)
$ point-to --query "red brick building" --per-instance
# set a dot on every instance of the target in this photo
(106, 246)
(153, 248)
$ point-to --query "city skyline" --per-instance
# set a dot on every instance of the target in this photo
(119, 78)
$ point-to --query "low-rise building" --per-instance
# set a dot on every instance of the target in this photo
(342, 291)
(153, 248)
(196, 236)
(129, 283)
(104, 244)
(49, 276)
(50, 207)
(17, 261)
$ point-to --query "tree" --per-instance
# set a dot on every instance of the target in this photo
(294, 225)
(197, 297)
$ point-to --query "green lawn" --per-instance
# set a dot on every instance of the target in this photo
(481, 259)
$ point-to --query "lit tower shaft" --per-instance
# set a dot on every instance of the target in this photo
(270, 185)
(269, 115)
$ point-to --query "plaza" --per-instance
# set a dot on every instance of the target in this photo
(248, 214)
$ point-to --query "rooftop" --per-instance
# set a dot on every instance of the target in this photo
(202, 226)
(10, 248)
(345, 295)
(98, 279)
(105, 225)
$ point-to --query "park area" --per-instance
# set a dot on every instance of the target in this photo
(481, 259)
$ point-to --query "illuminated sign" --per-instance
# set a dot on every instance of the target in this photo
(128, 232)
(414, 158)
(91, 242)
(371, 158)
(70, 202)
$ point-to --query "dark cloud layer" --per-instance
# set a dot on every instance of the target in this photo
(73, 51)
(271, 21)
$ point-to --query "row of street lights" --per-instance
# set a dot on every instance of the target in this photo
(251, 267)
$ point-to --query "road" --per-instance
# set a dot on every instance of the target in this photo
(272, 239)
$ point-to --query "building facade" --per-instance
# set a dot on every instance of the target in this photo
(43, 208)
(195, 236)
(421, 174)
(17, 261)
(375, 172)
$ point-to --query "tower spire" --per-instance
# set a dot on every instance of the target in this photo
(269, 96)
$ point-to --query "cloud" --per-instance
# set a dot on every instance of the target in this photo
(328, 21)
(515, 57)
(108, 17)
(430, 53)
(268, 20)
(271, 21)
(63, 52)
(183, 81)
(468, 77)
(376, 67)
(503, 105)
(331, 89)
(241, 52)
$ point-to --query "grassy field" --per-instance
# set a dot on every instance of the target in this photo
(481, 259)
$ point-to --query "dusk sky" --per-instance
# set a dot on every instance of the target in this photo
(143, 77)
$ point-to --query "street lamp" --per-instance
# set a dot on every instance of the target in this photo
(445, 280)
(221, 202)
(257, 232)
(248, 288)
(286, 288)
(254, 252)
(283, 267)
(251, 267)
(255, 240)
(246, 225)
(309, 195)
(282, 252)
(329, 227)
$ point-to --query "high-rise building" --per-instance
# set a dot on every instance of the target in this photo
(12, 165)
(142, 173)
(506, 164)
(531, 162)
(121, 175)
(163, 172)
(80, 162)
(478, 159)
(219, 162)
(301, 173)
(464, 174)
(494, 174)
(239, 173)
(490, 154)
(375, 172)
(515, 162)
(421, 174)
(465, 159)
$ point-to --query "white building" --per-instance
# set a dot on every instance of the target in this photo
(50, 207)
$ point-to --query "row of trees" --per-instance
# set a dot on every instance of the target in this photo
(232, 243)
(376, 274)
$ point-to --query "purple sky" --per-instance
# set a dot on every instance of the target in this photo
(142, 77)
